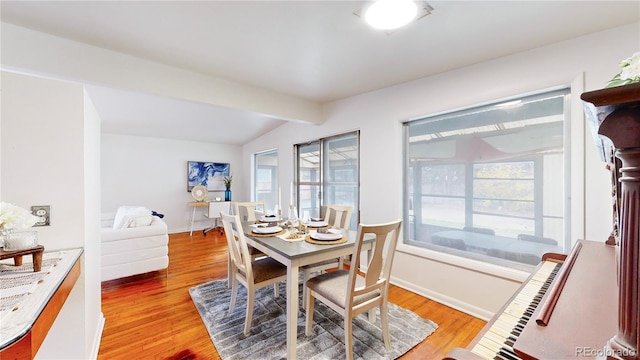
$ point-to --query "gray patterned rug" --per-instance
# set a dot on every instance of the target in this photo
(267, 339)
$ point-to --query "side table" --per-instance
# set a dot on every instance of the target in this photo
(36, 253)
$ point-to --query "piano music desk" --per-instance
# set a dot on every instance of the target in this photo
(585, 316)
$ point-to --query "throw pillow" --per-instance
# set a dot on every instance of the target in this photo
(132, 216)
(140, 220)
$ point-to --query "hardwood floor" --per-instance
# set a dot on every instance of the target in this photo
(152, 316)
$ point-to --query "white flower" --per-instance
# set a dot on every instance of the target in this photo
(629, 73)
(631, 69)
(15, 217)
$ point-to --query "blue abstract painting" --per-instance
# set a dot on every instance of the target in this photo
(209, 174)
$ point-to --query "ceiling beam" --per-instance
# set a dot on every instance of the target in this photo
(28, 51)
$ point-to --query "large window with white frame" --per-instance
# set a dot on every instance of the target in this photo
(327, 172)
(265, 187)
(488, 182)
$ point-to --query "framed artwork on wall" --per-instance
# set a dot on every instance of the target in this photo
(208, 174)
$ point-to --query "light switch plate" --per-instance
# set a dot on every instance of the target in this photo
(44, 213)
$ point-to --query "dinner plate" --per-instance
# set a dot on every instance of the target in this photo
(266, 230)
(328, 236)
(269, 218)
(316, 224)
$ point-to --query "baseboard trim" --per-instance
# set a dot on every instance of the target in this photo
(95, 349)
(444, 299)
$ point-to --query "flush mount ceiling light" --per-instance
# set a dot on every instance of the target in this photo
(389, 15)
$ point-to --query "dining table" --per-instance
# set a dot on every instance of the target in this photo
(297, 253)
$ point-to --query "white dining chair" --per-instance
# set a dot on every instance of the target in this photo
(247, 209)
(252, 274)
(339, 217)
(349, 293)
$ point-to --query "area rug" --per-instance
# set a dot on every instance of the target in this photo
(267, 338)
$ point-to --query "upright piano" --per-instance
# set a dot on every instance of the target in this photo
(585, 304)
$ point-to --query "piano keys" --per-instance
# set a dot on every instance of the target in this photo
(499, 338)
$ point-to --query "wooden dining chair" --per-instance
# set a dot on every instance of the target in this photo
(349, 293)
(247, 209)
(339, 217)
(252, 274)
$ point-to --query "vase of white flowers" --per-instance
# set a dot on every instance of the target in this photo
(629, 72)
(13, 218)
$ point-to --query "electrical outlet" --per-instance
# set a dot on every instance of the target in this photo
(44, 213)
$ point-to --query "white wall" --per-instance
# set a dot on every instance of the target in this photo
(152, 172)
(585, 63)
(49, 150)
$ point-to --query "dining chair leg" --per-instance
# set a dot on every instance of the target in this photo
(372, 315)
(234, 293)
(348, 336)
(310, 301)
(229, 271)
(384, 321)
(249, 316)
(305, 291)
(276, 289)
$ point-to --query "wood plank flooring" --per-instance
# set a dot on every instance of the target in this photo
(152, 316)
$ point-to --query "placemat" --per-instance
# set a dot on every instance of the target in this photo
(268, 235)
(325, 242)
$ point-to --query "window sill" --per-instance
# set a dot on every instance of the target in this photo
(472, 265)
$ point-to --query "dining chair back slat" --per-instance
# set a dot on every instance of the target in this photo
(338, 216)
(379, 266)
(237, 244)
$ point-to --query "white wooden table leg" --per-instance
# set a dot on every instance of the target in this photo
(193, 218)
(292, 311)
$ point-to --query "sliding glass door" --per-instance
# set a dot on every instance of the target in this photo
(328, 173)
(266, 178)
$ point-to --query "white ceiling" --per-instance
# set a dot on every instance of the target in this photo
(316, 50)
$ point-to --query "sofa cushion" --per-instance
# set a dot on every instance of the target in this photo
(132, 216)
(157, 227)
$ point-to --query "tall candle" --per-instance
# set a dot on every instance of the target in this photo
(279, 198)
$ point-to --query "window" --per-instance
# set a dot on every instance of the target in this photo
(488, 182)
(328, 173)
(266, 178)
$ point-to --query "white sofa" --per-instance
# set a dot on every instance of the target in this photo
(138, 249)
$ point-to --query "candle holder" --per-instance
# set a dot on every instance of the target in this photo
(20, 240)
